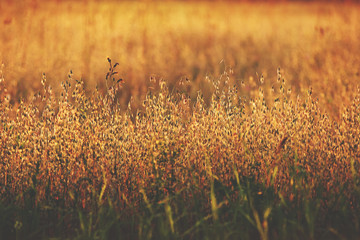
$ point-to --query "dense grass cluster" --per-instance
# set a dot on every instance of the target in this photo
(236, 168)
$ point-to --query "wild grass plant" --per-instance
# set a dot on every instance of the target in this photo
(270, 167)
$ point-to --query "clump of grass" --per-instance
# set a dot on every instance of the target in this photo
(273, 166)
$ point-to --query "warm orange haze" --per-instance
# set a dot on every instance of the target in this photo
(179, 120)
(315, 45)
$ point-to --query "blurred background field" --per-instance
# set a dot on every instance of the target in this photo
(315, 44)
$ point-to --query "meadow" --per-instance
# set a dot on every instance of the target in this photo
(179, 120)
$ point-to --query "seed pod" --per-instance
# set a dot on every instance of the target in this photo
(281, 145)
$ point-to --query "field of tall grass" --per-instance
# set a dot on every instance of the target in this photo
(175, 120)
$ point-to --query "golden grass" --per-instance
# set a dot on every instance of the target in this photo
(316, 44)
(78, 144)
(209, 104)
